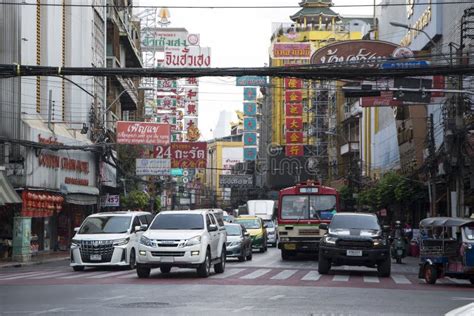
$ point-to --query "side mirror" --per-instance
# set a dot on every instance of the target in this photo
(265, 225)
(141, 228)
(323, 226)
(247, 234)
(76, 229)
(212, 228)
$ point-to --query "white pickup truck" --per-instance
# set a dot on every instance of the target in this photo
(184, 239)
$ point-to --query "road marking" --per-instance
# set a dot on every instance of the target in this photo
(400, 279)
(311, 276)
(80, 275)
(245, 308)
(25, 275)
(283, 275)
(129, 276)
(49, 311)
(106, 275)
(256, 274)
(459, 281)
(462, 298)
(112, 298)
(50, 276)
(276, 297)
(227, 273)
(371, 279)
(341, 278)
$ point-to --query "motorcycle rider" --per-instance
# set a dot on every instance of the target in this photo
(398, 242)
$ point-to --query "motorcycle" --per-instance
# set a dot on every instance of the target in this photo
(398, 249)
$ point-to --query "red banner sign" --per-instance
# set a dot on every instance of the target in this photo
(184, 155)
(293, 96)
(294, 109)
(294, 123)
(294, 137)
(293, 83)
(135, 133)
(294, 150)
(385, 99)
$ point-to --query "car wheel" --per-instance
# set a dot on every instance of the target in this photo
(324, 265)
(384, 268)
(78, 268)
(132, 261)
(430, 274)
(249, 256)
(220, 267)
(143, 272)
(165, 269)
(205, 268)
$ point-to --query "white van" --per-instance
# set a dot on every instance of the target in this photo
(108, 239)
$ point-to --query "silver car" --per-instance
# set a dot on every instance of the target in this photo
(272, 238)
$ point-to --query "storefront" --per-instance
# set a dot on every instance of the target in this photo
(60, 188)
(10, 202)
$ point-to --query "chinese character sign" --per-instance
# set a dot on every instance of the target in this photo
(294, 109)
(250, 94)
(294, 137)
(294, 150)
(294, 124)
(250, 124)
(250, 109)
(293, 83)
(293, 96)
(191, 109)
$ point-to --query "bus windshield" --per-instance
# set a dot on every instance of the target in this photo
(313, 207)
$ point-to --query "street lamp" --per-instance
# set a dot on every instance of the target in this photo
(406, 26)
(121, 93)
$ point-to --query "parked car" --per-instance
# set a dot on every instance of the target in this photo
(354, 239)
(272, 237)
(184, 239)
(239, 243)
(108, 239)
(257, 230)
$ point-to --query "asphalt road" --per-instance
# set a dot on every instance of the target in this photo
(265, 285)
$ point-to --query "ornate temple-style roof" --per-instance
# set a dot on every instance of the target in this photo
(313, 8)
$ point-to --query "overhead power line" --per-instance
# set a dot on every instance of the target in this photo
(227, 6)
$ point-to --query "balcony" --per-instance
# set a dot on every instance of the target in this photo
(349, 148)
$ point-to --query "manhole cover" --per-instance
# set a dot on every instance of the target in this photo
(143, 305)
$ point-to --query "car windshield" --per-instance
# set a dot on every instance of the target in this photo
(233, 230)
(249, 223)
(354, 222)
(269, 224)
(469, 231)
(178, 221)
(321, 207)
(105, 225)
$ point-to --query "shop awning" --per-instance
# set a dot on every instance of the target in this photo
(8, 195)
(80, 195)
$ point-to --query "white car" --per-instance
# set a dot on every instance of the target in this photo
(108, 239)
(184, 239)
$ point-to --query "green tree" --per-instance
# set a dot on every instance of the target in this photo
(135, 200)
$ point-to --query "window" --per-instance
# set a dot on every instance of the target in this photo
(178, 221)
(355, 222)
(320, 207)
(136, 222)
(144, 219)
(106, 225)
(149, 218)
(208, 221)
(233, 230)
(249, 223)
(213, 220)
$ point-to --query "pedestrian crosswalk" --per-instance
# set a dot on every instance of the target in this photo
(235, 275)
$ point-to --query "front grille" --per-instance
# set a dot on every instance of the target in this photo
(355, 244)
(167, 253)
(104, 248)
(309, 232)
(167, 243)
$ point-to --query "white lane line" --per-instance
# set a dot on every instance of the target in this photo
(458, 281)
(257, 273)
(311, 276)
(400, 279)
(54, 275)
(106, 275)
(25, 275)
(283, 275)
(341, 278)
(129, 276)
(276, 297)
(371, 279)
(80, 275)
(112, 298)
(243, 309)
(227, 273)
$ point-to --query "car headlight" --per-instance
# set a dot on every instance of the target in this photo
(192, 241)
(329, 240)
(75, 243)
(284, 239)
(380, 242)
(234, 244)
(121, 242)
(146, 241)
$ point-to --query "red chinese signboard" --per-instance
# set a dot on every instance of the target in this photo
(293, 83)
(294, 123)
(293, 96)
(184, 155)
(294, 150)
(135, 133)
(294, 109)
(294, 137)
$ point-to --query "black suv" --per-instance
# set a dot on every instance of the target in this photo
(354, 239)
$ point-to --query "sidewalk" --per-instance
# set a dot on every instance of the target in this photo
(37, 259)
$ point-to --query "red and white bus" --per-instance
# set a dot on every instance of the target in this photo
(301, 209)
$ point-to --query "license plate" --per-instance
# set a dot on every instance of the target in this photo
(290, 246)
(354, 253)
(399, 252)
(167, 259)
(96, 257)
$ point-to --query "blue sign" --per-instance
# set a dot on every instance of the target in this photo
(250, 94)
(250, 154)
(250, 124)
(250, 139)
(251, 81)
(405, 64)
(177, 172)
(250, 109)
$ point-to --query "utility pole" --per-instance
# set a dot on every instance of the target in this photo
(432, 167)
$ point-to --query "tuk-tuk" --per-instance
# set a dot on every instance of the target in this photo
(446, 249)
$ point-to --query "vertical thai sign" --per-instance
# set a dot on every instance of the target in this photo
(294, 120)
(250, 124)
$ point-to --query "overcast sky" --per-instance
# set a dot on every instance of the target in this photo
(238, 38)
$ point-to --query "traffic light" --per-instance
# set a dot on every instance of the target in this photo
(364, 90)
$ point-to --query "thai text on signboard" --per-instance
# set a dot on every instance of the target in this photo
(191, 56)
(134, 133)
(184, 155)
(153, 167)
(248, 81)
(236, 180)
(110, 200)
(291, 51)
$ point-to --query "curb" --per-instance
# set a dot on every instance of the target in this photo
(31, 263)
